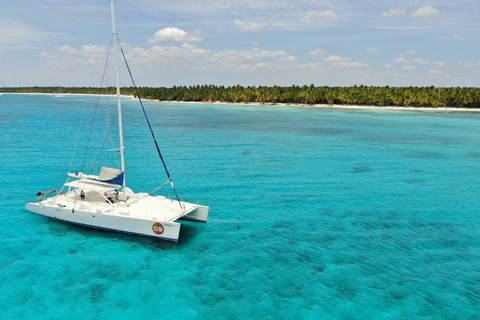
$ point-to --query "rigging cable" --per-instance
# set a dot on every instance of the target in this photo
(107, 135)
(96, 108)
(151, 130)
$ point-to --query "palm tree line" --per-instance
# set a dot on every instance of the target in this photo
(432, 97)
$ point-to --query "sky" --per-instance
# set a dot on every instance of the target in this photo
(245, 42)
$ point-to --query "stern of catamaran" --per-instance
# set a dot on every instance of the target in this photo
(200, 214)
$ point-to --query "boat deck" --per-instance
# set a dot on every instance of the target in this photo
(143, 206)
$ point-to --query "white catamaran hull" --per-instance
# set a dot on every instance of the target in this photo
(198, 215)
(171, 230)
(148, 216)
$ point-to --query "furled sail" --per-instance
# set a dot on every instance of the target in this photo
(107, 175)
(111, 175)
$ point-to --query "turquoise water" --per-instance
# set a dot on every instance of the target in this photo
(324, 214)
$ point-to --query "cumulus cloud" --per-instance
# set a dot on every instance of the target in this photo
(404, 27)
(418, 60)
(86, 51)
(372, 50)
(318, 16)
(409, 53)
(439, 64)
(67, 49)
(337, 61)
(249, 59)
(408, 57)
(469, 64)
(93, 51)
(167, 55)
(251, 26)
(186, 55)
(75, 60)
(426, 13)
(176, 35)
(394, 13)
(408, 68)
(318, 52)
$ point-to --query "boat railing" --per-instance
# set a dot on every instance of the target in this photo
(44, 194)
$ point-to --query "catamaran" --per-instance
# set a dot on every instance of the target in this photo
(59, 95)
(104, 201)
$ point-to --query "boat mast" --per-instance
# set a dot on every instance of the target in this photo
(119, 104)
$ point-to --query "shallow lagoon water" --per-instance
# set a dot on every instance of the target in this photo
(315, 214)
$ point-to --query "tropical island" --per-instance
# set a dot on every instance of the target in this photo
(419, 97)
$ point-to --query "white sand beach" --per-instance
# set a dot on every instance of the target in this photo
(331, 106)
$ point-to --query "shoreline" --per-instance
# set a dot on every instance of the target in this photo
(329, 106)
(268, 104)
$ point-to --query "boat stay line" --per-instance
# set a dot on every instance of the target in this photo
(157, 188)
(150, 127)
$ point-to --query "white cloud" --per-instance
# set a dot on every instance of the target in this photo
(394, 13)
(174, 56)
(456, 36)
(250, 26)
(439, 64)
(408, 68)
(318, 16)
(176, 35)
(337, 61)
(372, 50)
(355, 64)
(183, 56)
(403, 27)
(12, 32)
(93, 51)
(469, 64)
(63, 61)
(409, 53)
(248, 59)
(426, 13)
(418, 60)
(318, 52)
(67, 49)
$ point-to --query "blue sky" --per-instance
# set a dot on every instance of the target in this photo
(246, 42)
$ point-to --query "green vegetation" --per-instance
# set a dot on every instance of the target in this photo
(77, 90)
(356, 95)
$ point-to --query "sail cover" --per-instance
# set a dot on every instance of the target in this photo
(111, 175)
